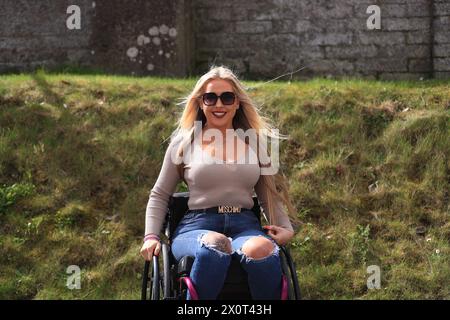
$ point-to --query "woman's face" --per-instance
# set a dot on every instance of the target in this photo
(219, 116)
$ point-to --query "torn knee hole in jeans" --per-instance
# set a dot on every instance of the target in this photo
(220, 247)
(275, 251)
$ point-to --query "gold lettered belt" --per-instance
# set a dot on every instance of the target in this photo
(229, 209)
(220, 209)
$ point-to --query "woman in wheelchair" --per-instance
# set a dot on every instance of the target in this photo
(208, 150)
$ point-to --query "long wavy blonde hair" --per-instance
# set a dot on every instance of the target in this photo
(247, 116)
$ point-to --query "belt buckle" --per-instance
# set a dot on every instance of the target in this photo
(229, 209)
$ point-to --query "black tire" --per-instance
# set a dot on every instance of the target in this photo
(287, 272)
(166, 280)
(293, 274)
(155, 281)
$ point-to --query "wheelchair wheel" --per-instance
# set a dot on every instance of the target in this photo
(156, 281)
(287, 274)
(166, 277)
(151, 281)
(291, 273)
(157, 285)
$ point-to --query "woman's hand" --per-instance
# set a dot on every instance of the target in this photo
(149, 248)
(279, 234)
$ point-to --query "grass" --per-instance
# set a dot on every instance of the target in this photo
(368, 165)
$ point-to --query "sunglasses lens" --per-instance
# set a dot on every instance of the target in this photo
(210, 99)
(227, 98)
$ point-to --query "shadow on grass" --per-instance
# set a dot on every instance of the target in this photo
(45, 87)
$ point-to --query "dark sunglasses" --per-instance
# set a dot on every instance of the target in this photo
(210, 98)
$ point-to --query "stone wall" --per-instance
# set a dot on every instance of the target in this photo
(441, 43)
(258, 38)
(130, 37)
(262, 38)
(34, 33)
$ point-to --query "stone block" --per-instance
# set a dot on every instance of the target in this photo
(351, 52)
(442, 50)
(329, 39)
(382, 65)
(419, 65)
(250, 27)
(442, 64)
(380, 37)
(405, 24)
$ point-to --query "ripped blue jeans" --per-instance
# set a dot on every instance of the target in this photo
(210, 266)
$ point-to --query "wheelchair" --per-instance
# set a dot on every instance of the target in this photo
(170, 280)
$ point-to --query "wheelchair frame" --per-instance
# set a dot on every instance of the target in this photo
(154, 281)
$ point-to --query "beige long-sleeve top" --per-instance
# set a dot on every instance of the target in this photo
(210, 184)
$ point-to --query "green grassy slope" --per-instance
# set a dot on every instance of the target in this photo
(368, 165)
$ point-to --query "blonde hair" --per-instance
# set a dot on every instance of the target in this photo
(247, 116)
